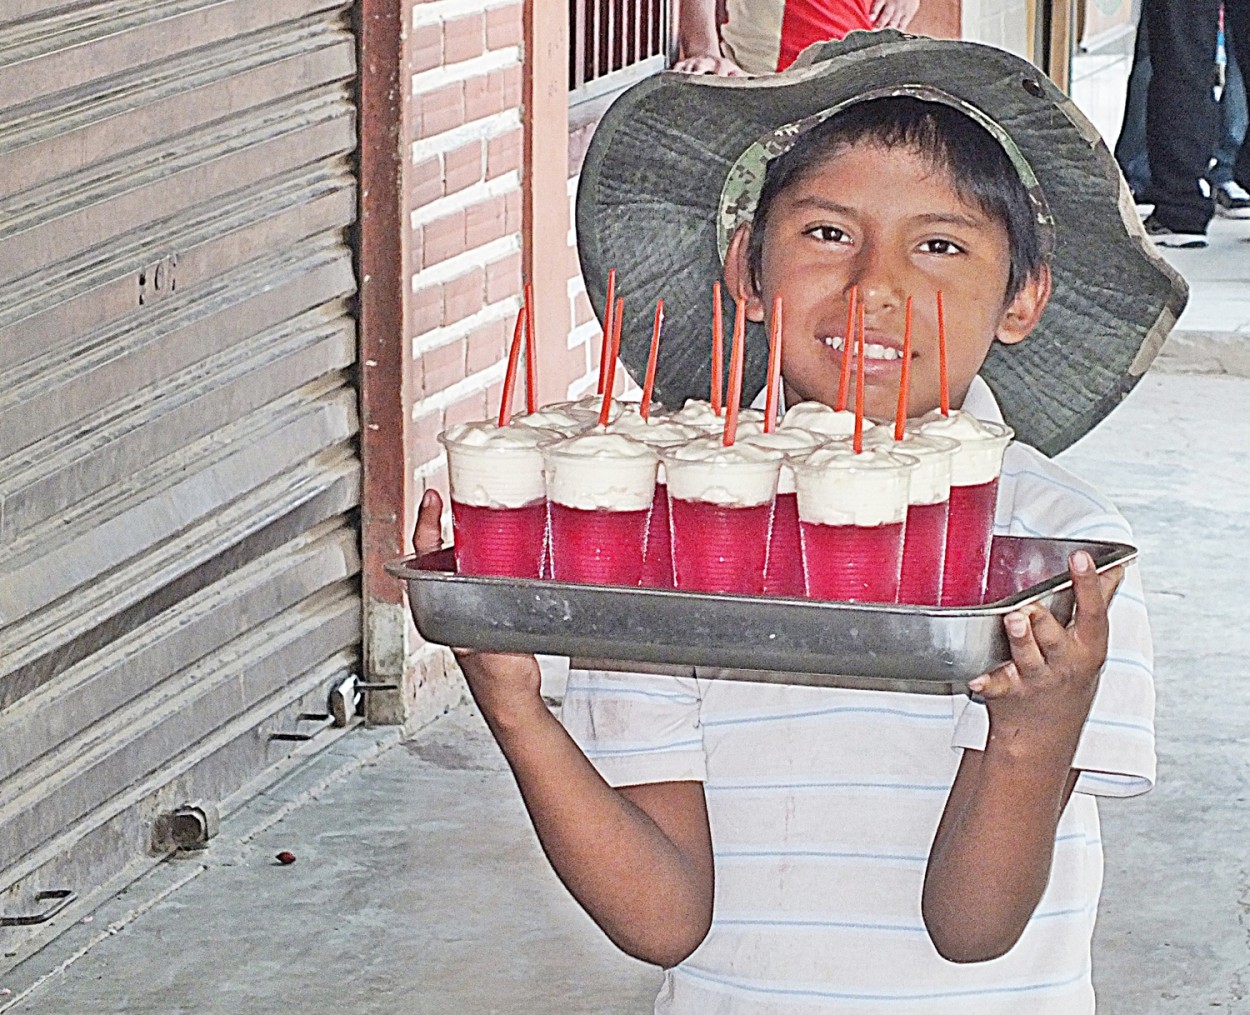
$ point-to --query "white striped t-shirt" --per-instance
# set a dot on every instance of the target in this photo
(823, 804)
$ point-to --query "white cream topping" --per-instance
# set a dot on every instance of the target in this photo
(587, 408)
(495, 466)
(820, 418)
(598, 470)
(697, 412)
(979, 458)
(793, 442)
(553, 417)
(836, 486)
(655, 432)
(738, 476)
(931, 478)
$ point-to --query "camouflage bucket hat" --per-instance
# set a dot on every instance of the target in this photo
(677, 164)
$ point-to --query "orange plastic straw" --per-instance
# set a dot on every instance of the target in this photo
(774, 369)
(531, 352)
(609, 381)
(718, 349)
(943, 389)
(736, 366)
(858, 440)
(844, 379)
(904, 378)
(509, 378)
(605, 344)
(648, 386)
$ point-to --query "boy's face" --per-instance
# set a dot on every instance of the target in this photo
(888, 222)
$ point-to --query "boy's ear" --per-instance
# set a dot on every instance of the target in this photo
(1025, 309)
(738, 272)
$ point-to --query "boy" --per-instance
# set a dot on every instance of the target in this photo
(795, 849)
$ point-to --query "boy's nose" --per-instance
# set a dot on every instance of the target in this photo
(878, 281)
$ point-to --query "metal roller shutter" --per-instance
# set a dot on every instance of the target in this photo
(179, 471)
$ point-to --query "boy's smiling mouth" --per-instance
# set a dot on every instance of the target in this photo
(872, 350)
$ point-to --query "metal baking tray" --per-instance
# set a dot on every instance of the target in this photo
(747, 637)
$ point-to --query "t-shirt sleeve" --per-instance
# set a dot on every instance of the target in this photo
(636, 727)
(1116, 753)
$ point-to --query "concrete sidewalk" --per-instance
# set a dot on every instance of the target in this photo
(419, 887)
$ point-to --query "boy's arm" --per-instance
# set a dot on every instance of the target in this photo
(991, 857)
(638, 859)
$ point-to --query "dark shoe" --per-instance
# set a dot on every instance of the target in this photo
(1232, 201)
(1165, 237)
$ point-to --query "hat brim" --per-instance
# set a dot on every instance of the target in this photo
(648, 204)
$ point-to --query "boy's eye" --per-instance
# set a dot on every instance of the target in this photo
(941, 247)
(828, 234)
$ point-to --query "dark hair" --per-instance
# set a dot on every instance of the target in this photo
(977, 165)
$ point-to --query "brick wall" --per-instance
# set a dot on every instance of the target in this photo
(465, 196)
(464, 253)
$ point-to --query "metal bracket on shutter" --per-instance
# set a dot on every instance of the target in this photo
(59, 897)
(324, 721)
(188, 826)
(158, 280)
(347, 699)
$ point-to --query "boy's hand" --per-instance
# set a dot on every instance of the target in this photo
(709, 63)
(505, 687)
(1048, 687)
(893, 13)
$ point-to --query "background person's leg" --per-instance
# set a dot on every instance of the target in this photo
(1182, 121)
(1130, 146)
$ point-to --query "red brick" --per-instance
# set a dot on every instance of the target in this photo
(485, 221)
(512, 212)
(485, 346)
(440, 109)
(503, 154)
(426, 309)
(510, 86)
(427, 48)
(426, 180)
(423, 437)
(494, 395)
(462, 296)
(503, 278)
(471, 407)
(464, 38)
(583, 312)
(416, 253)
(483, 96)
(443, 366)
(463, 167)
(444, 238)
(503, 27)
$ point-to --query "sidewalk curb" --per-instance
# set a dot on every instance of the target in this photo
(1205, 352)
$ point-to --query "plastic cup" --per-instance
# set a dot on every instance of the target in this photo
(975, 470)
(498, 499)
(852, 522)
(658, 432)
(924, 545)
(600, 488)
(720, 514)
(783, 573)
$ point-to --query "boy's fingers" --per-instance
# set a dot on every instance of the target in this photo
(1025, 652)
(428, 534)
(996, 683)
(1050, 635)
(1090, 623)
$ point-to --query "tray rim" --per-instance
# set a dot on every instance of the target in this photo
(1116, 554)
